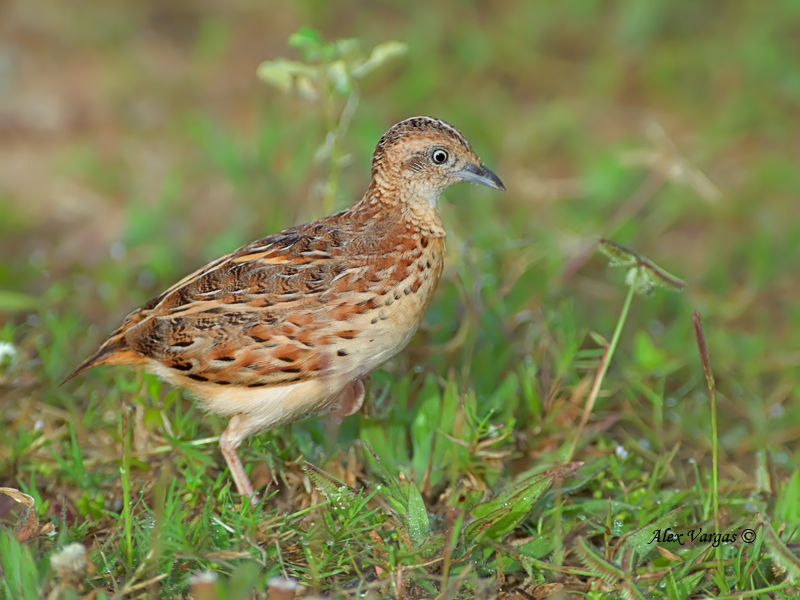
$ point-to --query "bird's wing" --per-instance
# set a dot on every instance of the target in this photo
(267, 314)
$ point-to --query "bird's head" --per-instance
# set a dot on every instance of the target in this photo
(419, 158)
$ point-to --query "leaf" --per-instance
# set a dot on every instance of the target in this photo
(395, 493)
(334, 490)
(630, 591)
(609, 572)
(381, 54)
(465, 499)
(417, 522)
(619, 256)
(532, 483)
(281, 73)
(647, 274)
(338, 76)
(499, 516)
(484, 522)
(322, 481)
(645, 352)
(600, 567)
(781, 555)
(11, 302)
(28, 525)
(308, 41)
(20, 575)
(640, 540)
(787, 508)
(681, 588)
(434, 422)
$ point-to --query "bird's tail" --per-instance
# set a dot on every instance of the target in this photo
(114, 351)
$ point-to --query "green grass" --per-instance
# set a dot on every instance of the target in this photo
(511, 450)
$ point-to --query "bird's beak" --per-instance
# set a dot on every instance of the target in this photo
(480, 174)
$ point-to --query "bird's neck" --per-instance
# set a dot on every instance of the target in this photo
(403, 205)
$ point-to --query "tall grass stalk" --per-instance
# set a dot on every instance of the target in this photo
(705, 359)
(605, 361)
(125, 476)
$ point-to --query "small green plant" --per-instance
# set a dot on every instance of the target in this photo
(405, 538)
(642, 277)
(328, 76)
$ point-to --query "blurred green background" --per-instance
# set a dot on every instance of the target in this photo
(136, 143)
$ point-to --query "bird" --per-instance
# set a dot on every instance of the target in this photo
(288, 326)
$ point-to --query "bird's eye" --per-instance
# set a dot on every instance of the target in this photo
(439, 157)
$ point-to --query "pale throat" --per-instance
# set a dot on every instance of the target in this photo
(421, 192)
(417, 200)
(420, 203)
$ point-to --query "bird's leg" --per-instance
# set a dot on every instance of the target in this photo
(229, 441)
(350, 399)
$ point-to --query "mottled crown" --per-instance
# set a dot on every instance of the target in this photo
(417, 127)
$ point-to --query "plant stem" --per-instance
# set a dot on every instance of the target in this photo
(338, 128)
(705, 359)
(604, 363)
(125, 476)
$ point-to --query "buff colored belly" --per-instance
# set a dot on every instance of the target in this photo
(386, 330)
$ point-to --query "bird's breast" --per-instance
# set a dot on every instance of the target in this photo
(397, 303)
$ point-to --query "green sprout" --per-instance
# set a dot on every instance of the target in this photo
(328, 74)
(643, 275)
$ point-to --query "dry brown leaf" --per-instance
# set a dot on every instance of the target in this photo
(668, 555)
(28, 525)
